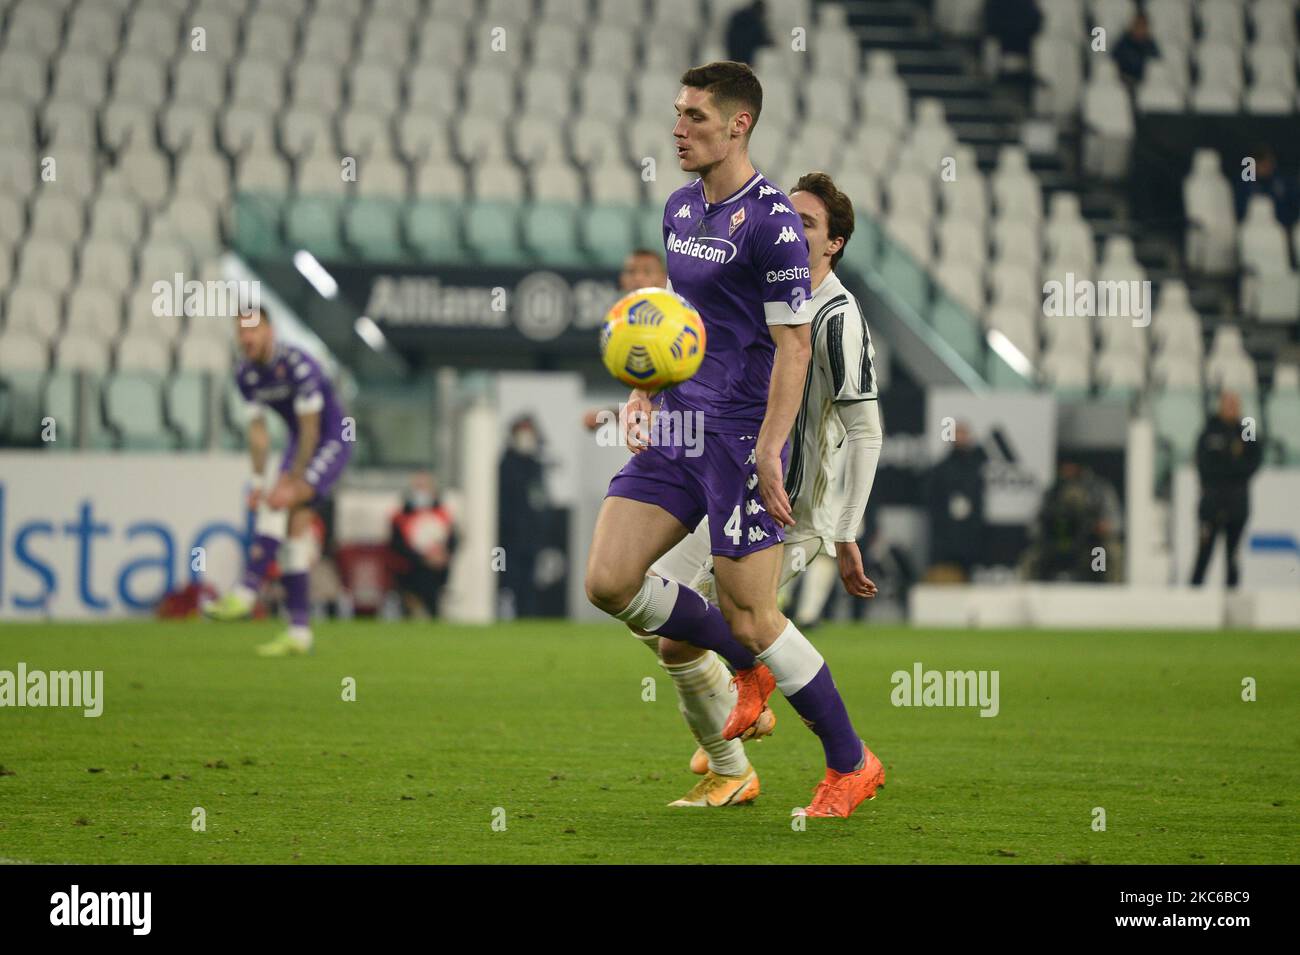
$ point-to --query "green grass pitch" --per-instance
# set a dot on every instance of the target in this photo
(547, 722)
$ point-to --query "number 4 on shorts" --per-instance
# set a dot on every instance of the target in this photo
(732, 527)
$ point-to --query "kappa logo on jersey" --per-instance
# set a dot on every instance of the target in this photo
(766, 190)
(752, 482)
(683, 213)
(779, 207)
(753, 456)
(753, 507)
(737, 219)
(756, 534)
(787, 235)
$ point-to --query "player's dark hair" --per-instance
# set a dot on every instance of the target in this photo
(733, 86)
(839, 207)
(643, 250)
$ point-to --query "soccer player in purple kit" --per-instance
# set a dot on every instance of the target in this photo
(288, 381)
(737, 252)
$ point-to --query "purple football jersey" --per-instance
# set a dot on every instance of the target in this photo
(289, 384)
(743, 264)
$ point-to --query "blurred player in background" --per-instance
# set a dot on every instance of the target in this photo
(737, 253)
(838, 426)
(289, 382)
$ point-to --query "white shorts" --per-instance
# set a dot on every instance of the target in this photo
(691, 562)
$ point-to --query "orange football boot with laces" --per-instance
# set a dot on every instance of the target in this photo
(753, 686)
(840, 793)
(766, 723)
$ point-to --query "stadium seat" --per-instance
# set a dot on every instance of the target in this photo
(1058, 69)
(614, 183)
(133, 407)
(433, 230)
(1179, 417)
(962, 18)
(883, 94)
(312, 223)
(1270, 287)
(73, 399)
(95, 309)
(33, 309)
(373, 228)
(21, 401)
(1160, 91)
(551, 233)
(1018, 325)
(492, 231)
(1208, 205)
(1282, 413)
(143, 353)
(204, 352)
(1066, 373)
(1171, 22)
(606, 232)
(106, 262)
(1108, 123)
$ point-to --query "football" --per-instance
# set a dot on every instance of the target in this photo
(652, 338)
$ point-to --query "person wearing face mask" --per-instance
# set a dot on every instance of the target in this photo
(423, 541)
(522, 502)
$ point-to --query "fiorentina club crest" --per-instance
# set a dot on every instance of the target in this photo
(737, 218)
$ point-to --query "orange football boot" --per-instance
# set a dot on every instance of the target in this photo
(766, 723)
(840, 793)
(753, 686)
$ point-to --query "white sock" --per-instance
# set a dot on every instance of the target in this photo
(792, 659)
(652, 605)
(650, 641)
(300, 635)
(706, 698)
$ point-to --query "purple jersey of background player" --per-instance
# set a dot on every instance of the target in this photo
(743, 264)
(292, 382)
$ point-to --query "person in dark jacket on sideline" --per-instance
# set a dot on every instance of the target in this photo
(1226, 460)
(956, 503)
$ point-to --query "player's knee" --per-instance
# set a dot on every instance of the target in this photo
(610, 591)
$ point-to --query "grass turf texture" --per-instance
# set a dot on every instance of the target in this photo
(547, 721)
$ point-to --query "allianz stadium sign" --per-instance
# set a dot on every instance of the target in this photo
(508, 307)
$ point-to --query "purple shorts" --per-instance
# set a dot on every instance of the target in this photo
(720, 483)
(325, 467)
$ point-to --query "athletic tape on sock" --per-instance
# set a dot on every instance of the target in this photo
(792, 659)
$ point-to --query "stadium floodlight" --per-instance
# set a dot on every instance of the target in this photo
(315, 273)
(1009, 353)
(370, 333)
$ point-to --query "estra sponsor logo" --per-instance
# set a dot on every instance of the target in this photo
(788, 275)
